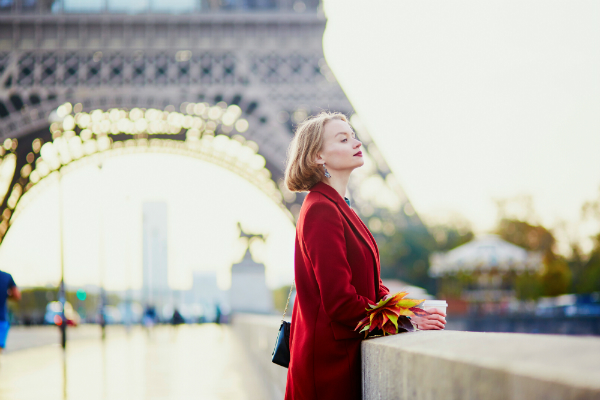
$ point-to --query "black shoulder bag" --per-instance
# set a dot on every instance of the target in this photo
(281, 352)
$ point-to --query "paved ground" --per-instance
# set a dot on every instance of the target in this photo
(187, 362)
(23, 337)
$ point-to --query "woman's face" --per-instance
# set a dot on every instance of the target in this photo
(341, 149)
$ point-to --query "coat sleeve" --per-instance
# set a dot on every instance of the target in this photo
(383, 290)
(325, 247)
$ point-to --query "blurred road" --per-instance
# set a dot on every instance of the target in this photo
(186, 362)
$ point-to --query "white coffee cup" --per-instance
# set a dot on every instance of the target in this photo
(428, 305)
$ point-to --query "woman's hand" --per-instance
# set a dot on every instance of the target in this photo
(436, 320)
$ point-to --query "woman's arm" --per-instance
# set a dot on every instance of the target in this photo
(383, 291)
(325, 246)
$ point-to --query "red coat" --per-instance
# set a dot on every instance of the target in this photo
(337, 276)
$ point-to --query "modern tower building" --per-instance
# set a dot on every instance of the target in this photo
(155, 280)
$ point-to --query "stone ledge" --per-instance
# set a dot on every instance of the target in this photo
(472, 365)
(452, 365)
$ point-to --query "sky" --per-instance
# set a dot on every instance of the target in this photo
(473, 101)
(469, 102)
(103, 216)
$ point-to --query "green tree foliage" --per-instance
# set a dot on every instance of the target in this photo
(555, 277)
(577, 265)
(589, 279)
(523, 234)
(452, 286)
(32, 306)
(528, 286)
(405, 254)
(280, 296)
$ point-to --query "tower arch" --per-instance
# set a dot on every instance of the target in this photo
(266, 58)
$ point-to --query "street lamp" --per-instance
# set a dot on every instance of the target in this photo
(101, 259)
(61, 290)
(54, 117)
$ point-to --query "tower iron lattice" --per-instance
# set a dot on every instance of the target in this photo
(221, 81)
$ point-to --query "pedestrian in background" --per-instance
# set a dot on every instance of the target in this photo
(8, 289)
(336, 266)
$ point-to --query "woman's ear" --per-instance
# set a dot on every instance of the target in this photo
(319, 159)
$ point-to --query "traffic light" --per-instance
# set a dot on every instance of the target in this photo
(81, 294)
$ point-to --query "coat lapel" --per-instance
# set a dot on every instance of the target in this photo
(352, 218)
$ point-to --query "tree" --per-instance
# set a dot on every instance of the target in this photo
(555, 277)
(528, 286)
(577, 264)
(405, 253)
(589, 280)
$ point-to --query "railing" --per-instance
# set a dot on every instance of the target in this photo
(443, 365)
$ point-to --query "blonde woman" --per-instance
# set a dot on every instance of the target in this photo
(336, 264)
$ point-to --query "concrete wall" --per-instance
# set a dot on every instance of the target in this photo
(444, 365)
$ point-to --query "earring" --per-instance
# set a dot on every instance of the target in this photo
(327, 174)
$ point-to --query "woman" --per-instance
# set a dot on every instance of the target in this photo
(336, 265)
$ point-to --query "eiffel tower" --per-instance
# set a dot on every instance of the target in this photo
(219, 80)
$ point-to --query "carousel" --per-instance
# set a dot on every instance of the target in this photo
(480, 276)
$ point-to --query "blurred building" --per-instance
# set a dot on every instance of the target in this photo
(205, 288)
(155, 263)
(204, 298)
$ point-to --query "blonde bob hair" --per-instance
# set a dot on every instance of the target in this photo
(302, 171)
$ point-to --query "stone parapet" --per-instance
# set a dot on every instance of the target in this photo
(451, 365)
(454, 365)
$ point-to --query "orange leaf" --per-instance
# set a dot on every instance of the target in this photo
(389, 328)
(385, 318)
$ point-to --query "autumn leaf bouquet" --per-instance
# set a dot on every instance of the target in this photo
(384, 315)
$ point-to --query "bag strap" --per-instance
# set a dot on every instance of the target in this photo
(288, 300)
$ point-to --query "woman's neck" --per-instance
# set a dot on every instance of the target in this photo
(339, 182)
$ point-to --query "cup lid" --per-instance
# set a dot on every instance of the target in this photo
(435, 303)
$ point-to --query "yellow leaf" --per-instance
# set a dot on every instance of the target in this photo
(408, 303)
(407, 312)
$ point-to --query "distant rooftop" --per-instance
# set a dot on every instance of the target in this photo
(485, 253)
